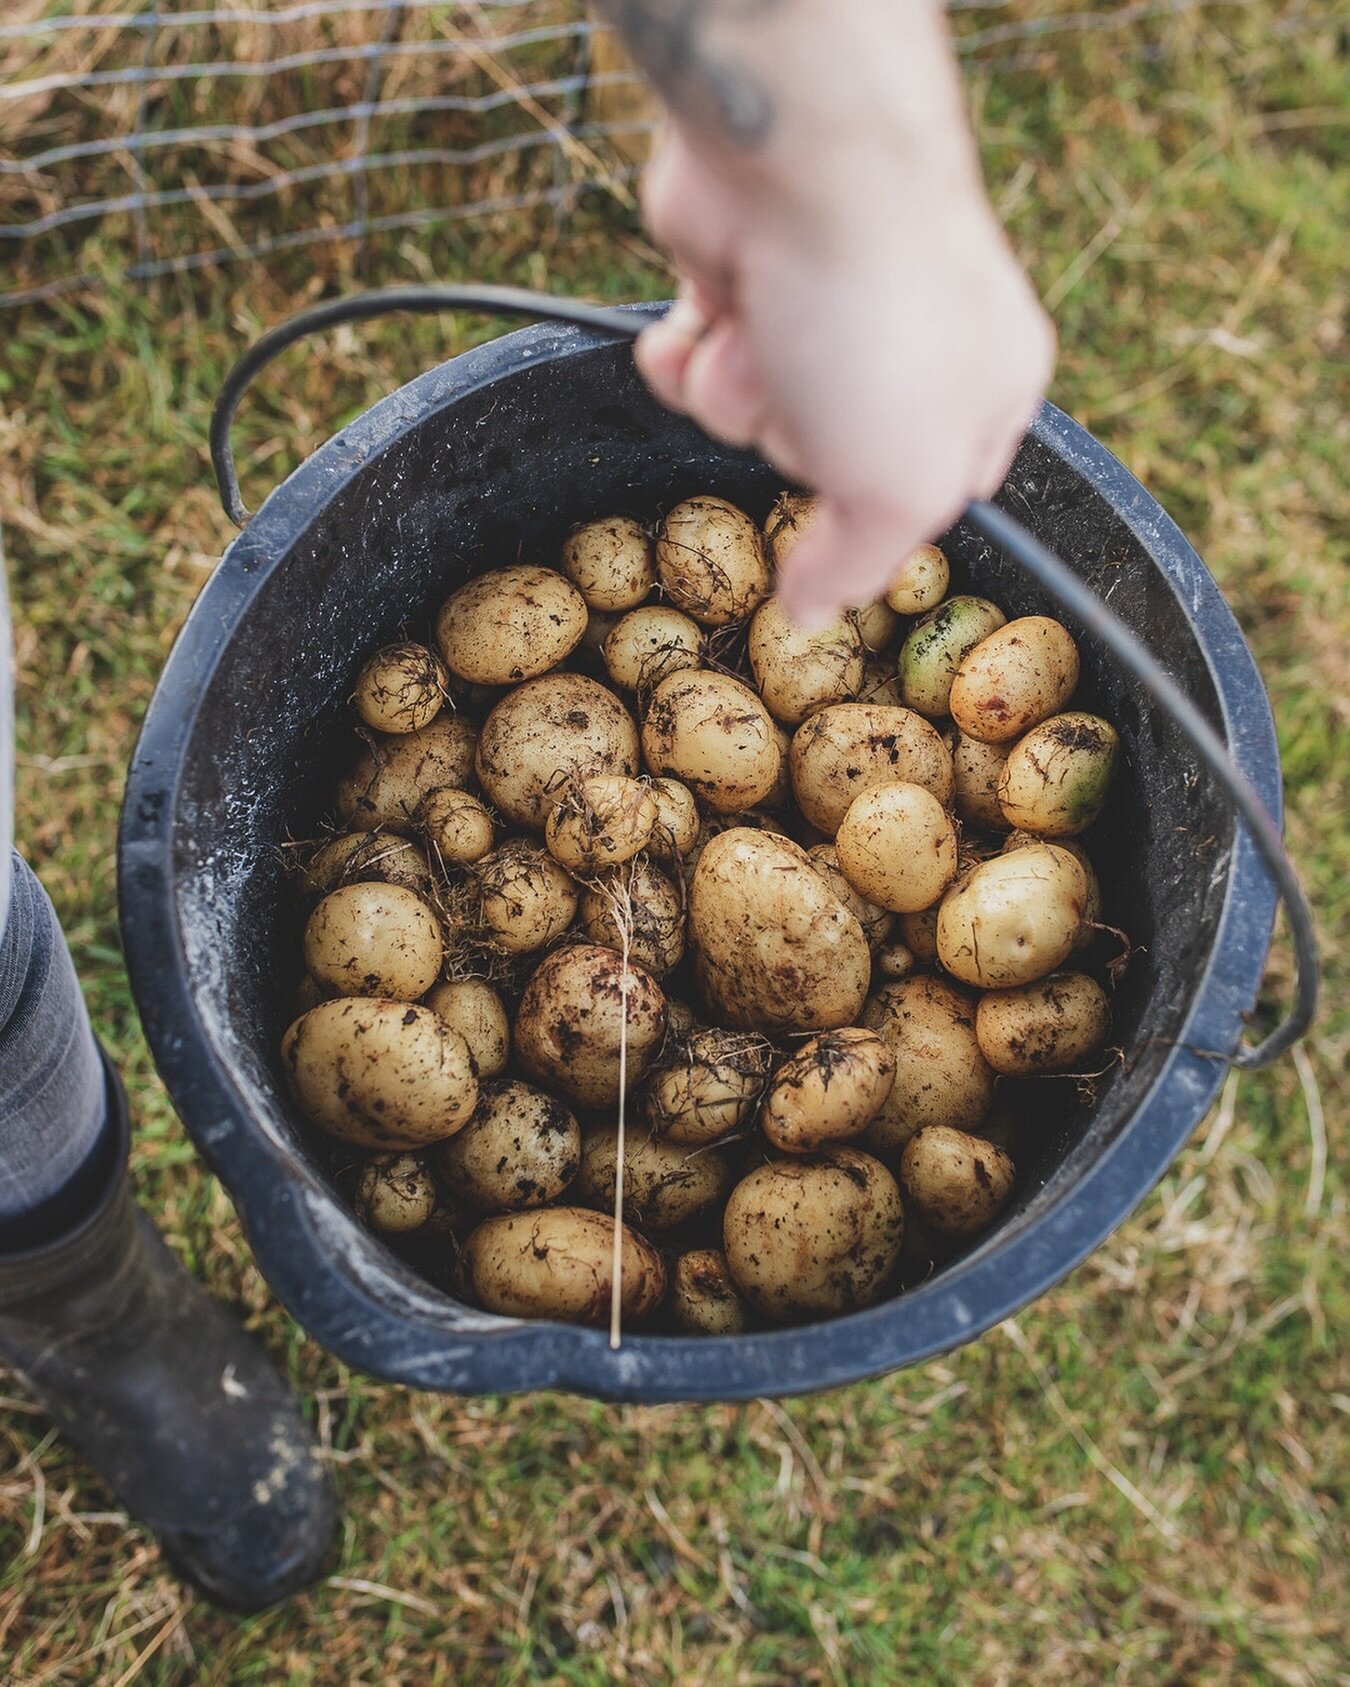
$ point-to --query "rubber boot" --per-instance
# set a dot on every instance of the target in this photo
(176, 1408)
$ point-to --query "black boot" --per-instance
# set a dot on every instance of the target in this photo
(174, 1406)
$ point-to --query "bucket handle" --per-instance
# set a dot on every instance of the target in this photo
(994, 524)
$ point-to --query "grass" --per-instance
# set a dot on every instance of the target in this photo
(1141, 1479)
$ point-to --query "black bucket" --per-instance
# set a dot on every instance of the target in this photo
(493, 456)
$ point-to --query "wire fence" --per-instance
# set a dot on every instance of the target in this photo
(137, 144)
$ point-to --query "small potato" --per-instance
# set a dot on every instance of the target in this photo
(921, 582)
(524, 898)
(810, 1238)
(600, 822)
(610, 562)
(1013, 919)
(703, 1297)
(978, 768)
(1015, 678)
(712, 733)
(557, 1262)
(936, 648)
(877, 625)
(941, 1078)
(457, 827)
(892, 961)
(1050, 1026)
(677, 820)
(650, 645)
(791, 515)
(1092, 912)
(651, 907)
(958, 1182)
(380, 1074)
(881, 684)
(571, 1019)
(374, 940)
(665, 1184)
(390, 779)
(798, 672)
(847, 749)
(1058, 776)
(680, 1019)
(510, 624)
(369, 858)
(473, 1008)
(400, 689)
(829, 1092)
(711, 561)
(897, 847)
(706, 1086)
(521, 1148)
(918, 933)
(876, 922)
(396, 1194)
(545, 732)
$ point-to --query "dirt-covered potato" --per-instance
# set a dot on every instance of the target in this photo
(791, 515)
(918, 933)
(829, 1092)
(711, 561)
(881, 684)
(978, 768)
(1058, 776)
(677, 820)
(520, 1149)
(706, 1085)
(1014, 918)
(558, 1262)
(897, 847)
(877, 625)
(392, 776)
(703, 1298)
(892, 961)
(522, 898)
(774, 949)
(600, 822)
(847, 749)
(1050, 1026)
(457, 827)
(649, 645)
(396, 1194)
(920, 583)
(1015, 678)
(374, 940)
(814, 1237)
(1092, 913)
(571, 1018)
(665, 1183)
(936, 648)
(876, 922)
(367, 857)
(380, 1074)
(714, 735)
(957, 1181)
(798, 672)
(546, 732)
(637, 900)
(941, 1078)
(473, 1008)
(400, 689)
(610, 562)
(510, 624)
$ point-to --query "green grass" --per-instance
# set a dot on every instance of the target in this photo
(1141, 1479)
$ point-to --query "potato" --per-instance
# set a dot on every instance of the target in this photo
(809, 1238)
(711, 561)
(881, 684)
(892, 961)
(1058, 776)
(703, 1297)
(1013, 919)
(557, 1262)
(829, 1092)
(380, 1074)
(650, 904)
(473, 1008)
(524, 899)
(798, 672)
(774, 949)
(521, 1148)
(897, 847)
(1092, 912)
(400, 689)
(876, 922)
(368, 858)
(958, 1182)
(791, 515)
(1050, 1026)
(677, 820)
(665, 1184)
(706, 1085)
(877, 625)
(374, 940)
(457, 827)
(712, 733)
(390, 778)
(847, 749)
(543, 733)
(610, 562)
(978, 768)
(570, 1020)
(936, 648)
(600, 822)
(1015, 678)
(941, 1078)
(918, 933)
(680, 1019)
(649, 645)
(510, 624)
(920, 583)
(396, 1194)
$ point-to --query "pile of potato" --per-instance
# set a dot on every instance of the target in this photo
(811, 901)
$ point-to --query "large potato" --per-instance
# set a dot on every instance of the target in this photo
(392, 776)
(1014, 918)
(829, 1092)
(547, 731)
(958, 1182)
(920, 582)
(558, 1262)
(706, 1085)
(1050, 1026)
(1092, 912)
(380, 1074)
(521, 1148)
(978, 768)
(665, 1184)
(711, 561)
(600, 822)
(897, 847)
(936, 648)
(400, 689)
(524, 899)
(571, 1020)
(396, 1194)
(810, 1238)
(712, 733)
(374, 940)
(473, 1008)
(1057, 777)
(798, 672)
(703, 1298)
(610, 562)
(510, 624)
(847, 749)
(941, 1078)
(649, 645)
(774, 949)
(370, 858)
(639, 902)
(1013, 679)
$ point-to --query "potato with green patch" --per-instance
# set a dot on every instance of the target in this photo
(798, 672)
(665, 1183)
(558, 1262)
(936, 647)
(941, 1077)
(374, 940)
(897, 847)
(703, 1298)
(547, 732)
(958, 1182)
(714, 735)
(1053, 1025)
(847, 749)
(1058, 777)
(711, 561)
(705, 1086)
(390, 779)
(1015, 678)
(396, 1194)
(920, 583)
(510, 624)
(1014, 918)
(571, 1023)
(829, 1091)
(521, 1148)
(610, 562)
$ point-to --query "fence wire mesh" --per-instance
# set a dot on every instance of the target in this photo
(136, 144)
